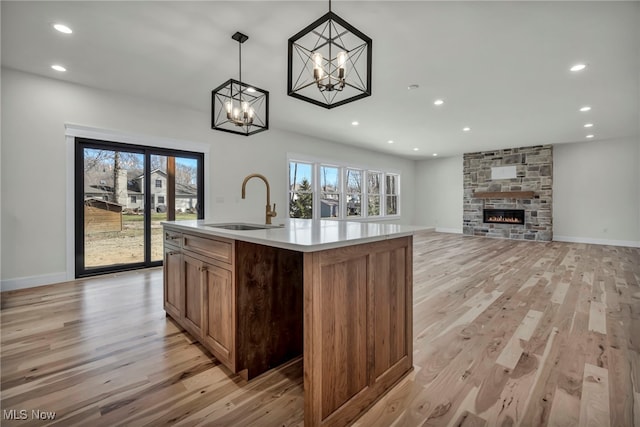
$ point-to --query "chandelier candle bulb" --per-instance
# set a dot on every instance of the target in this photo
(342, 63)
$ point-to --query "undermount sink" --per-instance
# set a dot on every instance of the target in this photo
(240, 226)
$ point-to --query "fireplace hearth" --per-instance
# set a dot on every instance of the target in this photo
(503, 216)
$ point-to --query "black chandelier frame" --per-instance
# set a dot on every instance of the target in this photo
(355, 81)
(238, 91)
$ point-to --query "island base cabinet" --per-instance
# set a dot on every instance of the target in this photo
(193, 314)
(357, 327)
(242, 301)
(172, 268)
(219, 297)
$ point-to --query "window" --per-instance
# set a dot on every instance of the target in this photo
(391, 191)
(333, 191)
(134, 199)
(373, 193)
(353, 192)
(330, 192)
(160, 200)
(300, 190)
(158, 183)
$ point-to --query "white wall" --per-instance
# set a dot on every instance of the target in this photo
(439, 193)
(34, 165)
(596, 192)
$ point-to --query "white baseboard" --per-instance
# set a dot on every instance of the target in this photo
(32, 282)
(626, 243)
(449, 230)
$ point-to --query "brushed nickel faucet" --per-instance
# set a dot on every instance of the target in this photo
(269, 212)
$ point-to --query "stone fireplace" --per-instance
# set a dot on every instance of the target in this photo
(508, 193)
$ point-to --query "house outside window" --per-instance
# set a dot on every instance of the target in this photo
(134, 199)
(330, 192)
(160, 200)
(158, 183)
(324, 190)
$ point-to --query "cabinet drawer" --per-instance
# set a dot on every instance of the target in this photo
(216, 249)
(172, 238)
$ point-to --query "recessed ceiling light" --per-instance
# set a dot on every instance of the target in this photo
(585, 108)
(416, 149)
(589, 125)
(438, 102)
(62, 28)
(413, 87)
(354, 123)
(466, 129)
(435, 154)
(58, 68)
(250, 89)
(578, 67)
(390, 141)
(589, 136)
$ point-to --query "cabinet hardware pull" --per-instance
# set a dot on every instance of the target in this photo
(169, 237)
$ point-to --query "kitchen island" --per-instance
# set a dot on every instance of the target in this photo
(337, 292)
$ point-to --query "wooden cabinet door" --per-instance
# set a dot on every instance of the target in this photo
(173, 282)
(219, 325)
(194, 277)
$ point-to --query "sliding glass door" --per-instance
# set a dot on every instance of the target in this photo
(123, 192)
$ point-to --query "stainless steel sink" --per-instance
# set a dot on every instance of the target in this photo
(240, 226)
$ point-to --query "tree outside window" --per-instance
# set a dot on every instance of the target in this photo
(354, 192)
(300, 190)
(392, 184)
(373, 193)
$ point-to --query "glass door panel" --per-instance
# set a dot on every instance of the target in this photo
(113, 208)
(174, 195)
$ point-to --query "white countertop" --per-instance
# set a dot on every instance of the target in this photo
(305, 235)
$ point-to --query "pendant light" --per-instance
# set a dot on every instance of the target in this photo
(239, 107)
(329, 62)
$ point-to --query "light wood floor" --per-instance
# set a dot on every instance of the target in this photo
(505, 333)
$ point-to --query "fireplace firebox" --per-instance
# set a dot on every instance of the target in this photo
(503, 216)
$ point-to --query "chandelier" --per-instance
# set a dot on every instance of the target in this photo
(329, 62)
(238, 107)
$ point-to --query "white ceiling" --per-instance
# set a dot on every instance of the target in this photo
(502, 68)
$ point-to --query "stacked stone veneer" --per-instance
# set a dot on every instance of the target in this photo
(534, 172)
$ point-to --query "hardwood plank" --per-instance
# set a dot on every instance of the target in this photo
(565, 410)
(597, 317)
(513, 350)
(594, 405)
(560, 293)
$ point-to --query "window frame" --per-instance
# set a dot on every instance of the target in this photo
(343, 193)
(291, 190)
